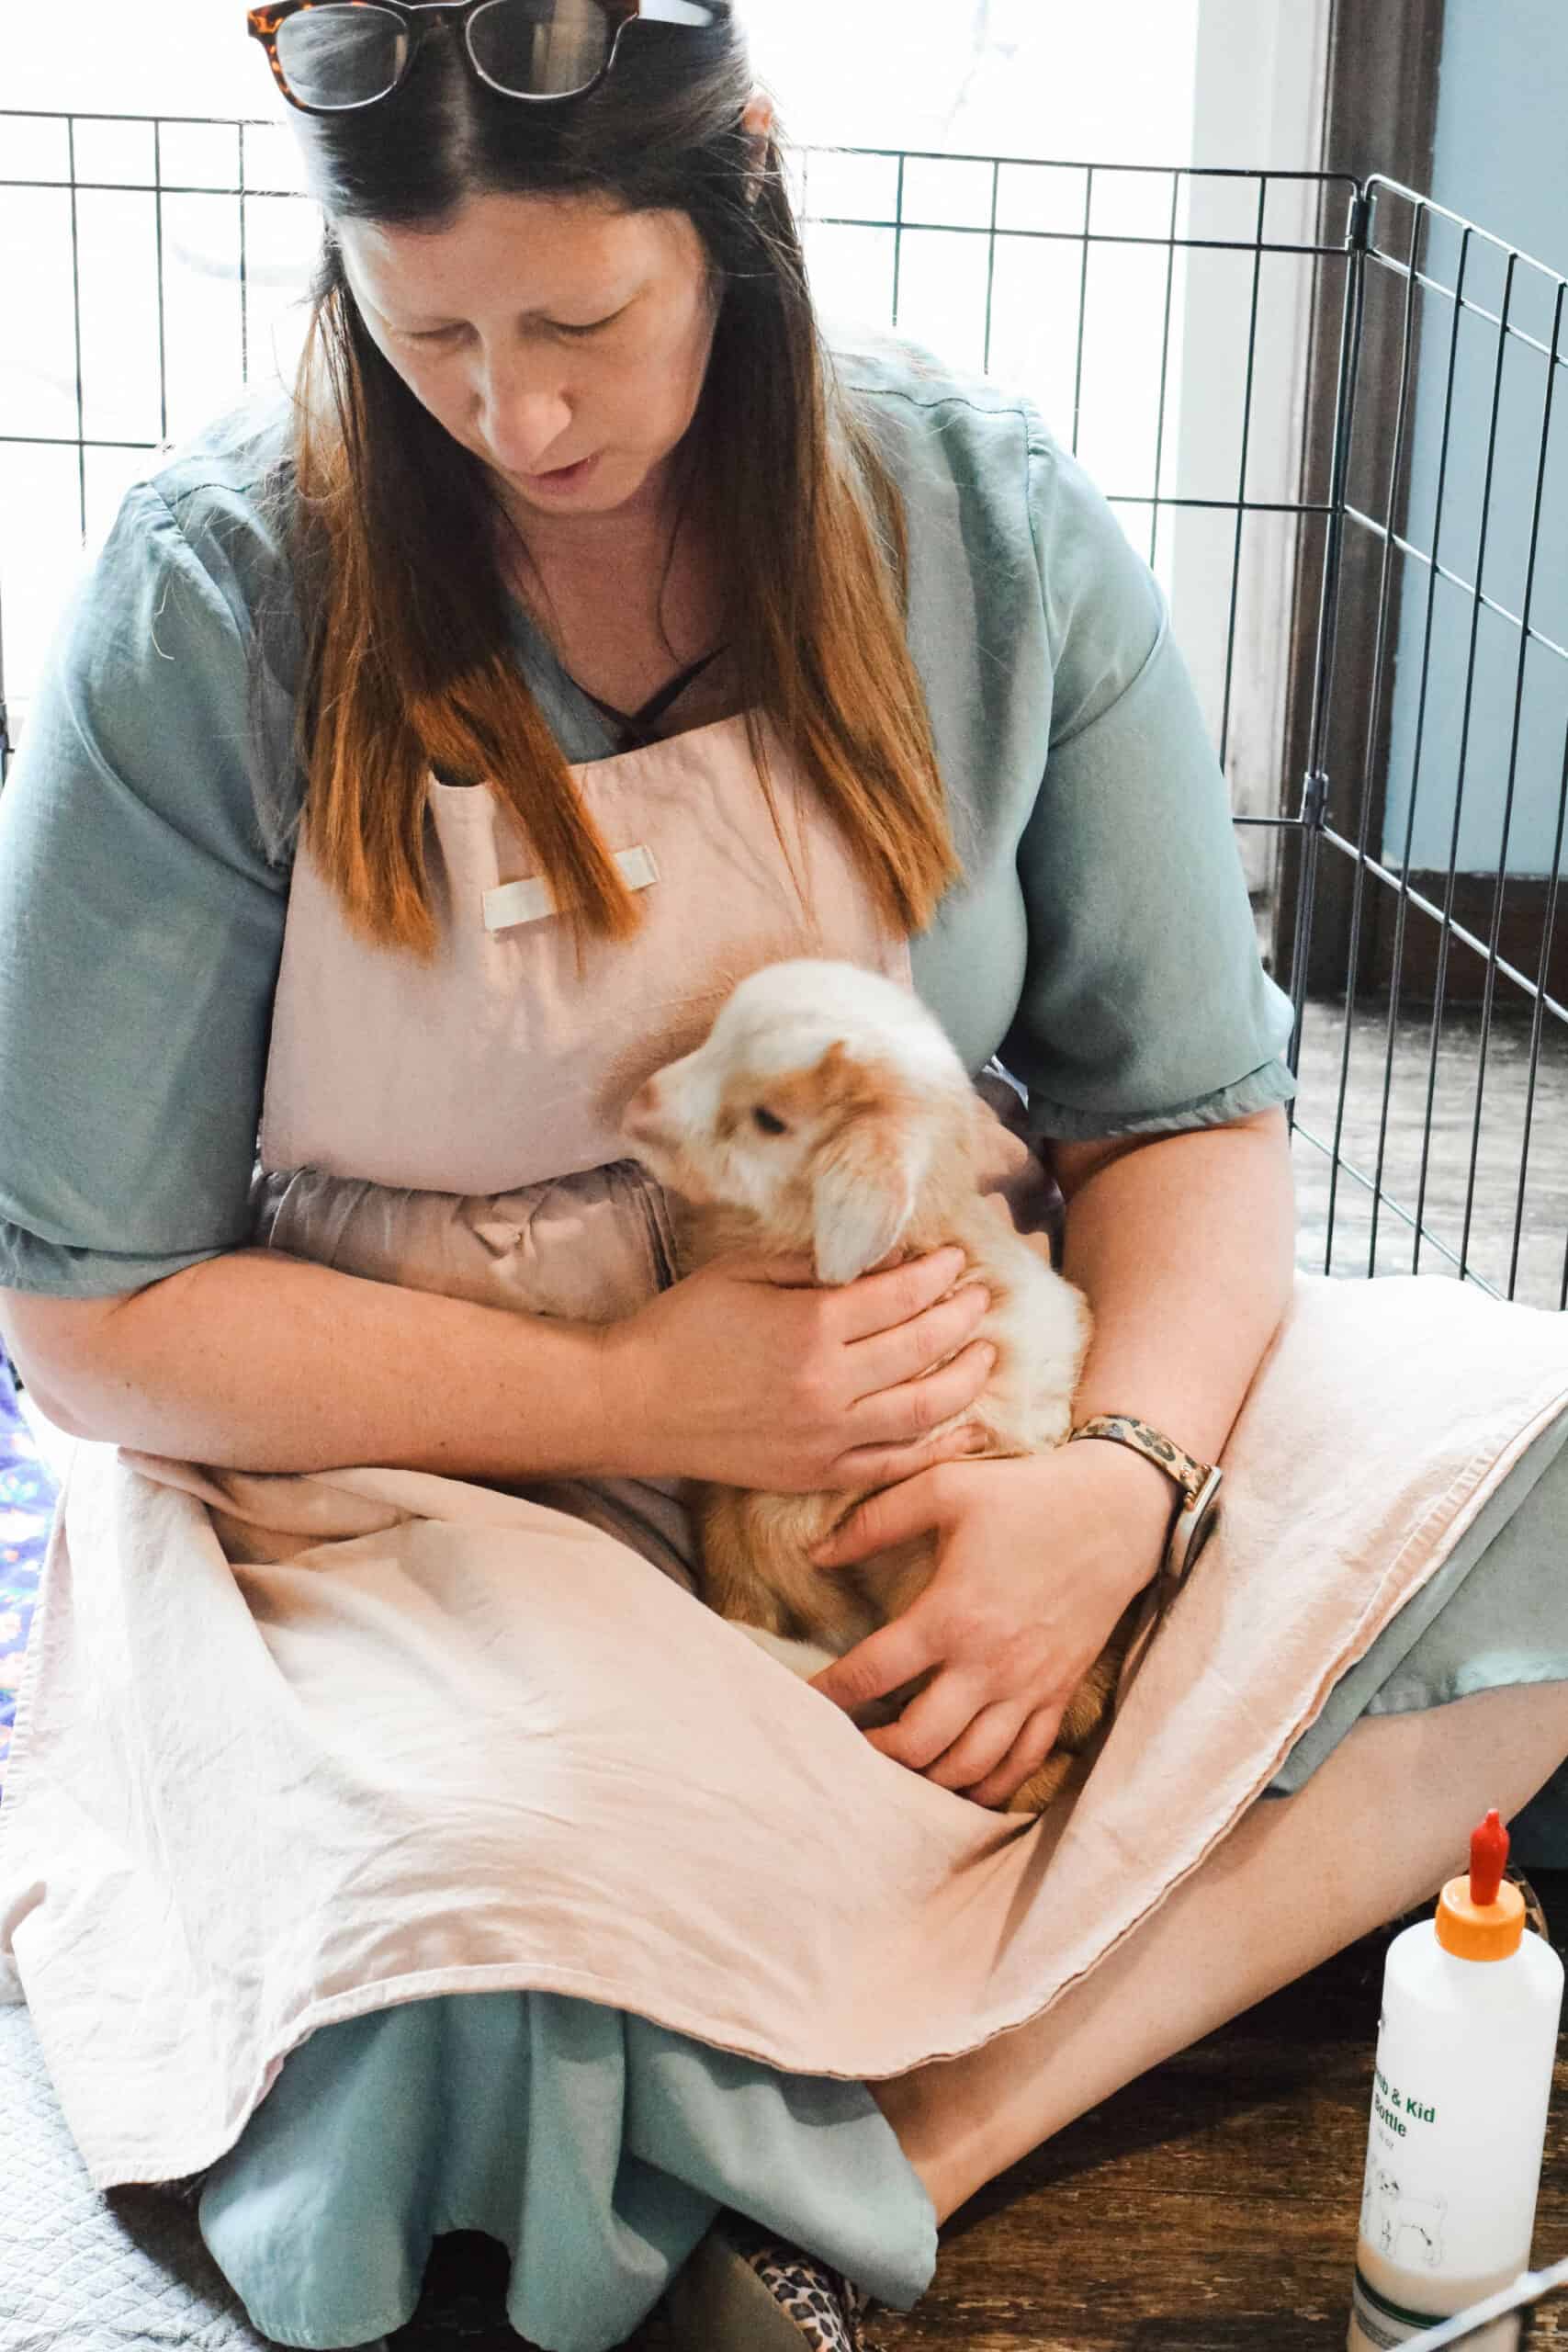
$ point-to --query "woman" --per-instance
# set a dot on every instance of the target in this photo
(389, 1847)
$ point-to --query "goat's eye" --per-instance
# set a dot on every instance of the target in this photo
(769, 1125)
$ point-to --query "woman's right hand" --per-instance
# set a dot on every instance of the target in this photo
(750, 1374)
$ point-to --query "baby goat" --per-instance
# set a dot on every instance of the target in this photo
(828, 1113)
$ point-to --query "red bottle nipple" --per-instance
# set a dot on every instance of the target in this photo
(1488, 1858)
(1480, 1917)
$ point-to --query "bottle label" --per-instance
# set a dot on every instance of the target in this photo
(1384, 2321)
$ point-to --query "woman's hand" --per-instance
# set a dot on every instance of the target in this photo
(751, 1374)
(1036, 1561)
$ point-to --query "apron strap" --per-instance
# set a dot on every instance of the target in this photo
(636, 724)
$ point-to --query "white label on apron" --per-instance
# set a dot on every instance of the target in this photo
(530, 901)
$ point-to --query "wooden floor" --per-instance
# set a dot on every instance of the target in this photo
(1209, 2207)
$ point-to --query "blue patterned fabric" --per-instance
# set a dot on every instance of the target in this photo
(27, 1506)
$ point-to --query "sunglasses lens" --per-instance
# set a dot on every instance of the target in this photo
(336, 58)
(540, 49)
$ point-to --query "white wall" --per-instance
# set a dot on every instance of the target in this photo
(1259, 99)
(1500, 159)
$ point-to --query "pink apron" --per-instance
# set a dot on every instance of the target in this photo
(290, 1749)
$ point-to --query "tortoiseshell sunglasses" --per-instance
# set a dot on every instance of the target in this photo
(334, 56)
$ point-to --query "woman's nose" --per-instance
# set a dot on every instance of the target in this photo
(523, 424)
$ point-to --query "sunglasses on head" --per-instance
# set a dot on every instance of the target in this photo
(334, 56)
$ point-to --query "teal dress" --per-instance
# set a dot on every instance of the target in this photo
(1100, 944)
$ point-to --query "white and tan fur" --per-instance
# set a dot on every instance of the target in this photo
(868, 1143)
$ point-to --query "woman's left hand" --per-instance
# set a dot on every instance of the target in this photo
(1036, 1560)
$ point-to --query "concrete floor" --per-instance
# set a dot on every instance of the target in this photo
(1511, 1173)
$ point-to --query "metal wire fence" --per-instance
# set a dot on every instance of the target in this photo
(1326, 413)
(1441, 767)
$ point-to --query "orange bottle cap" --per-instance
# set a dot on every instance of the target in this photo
(1479, 1931)
(1481, 1916)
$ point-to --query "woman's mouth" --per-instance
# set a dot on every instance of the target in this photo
(560, 477)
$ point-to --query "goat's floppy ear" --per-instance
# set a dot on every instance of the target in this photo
(865, 1186)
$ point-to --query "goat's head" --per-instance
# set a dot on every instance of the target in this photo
(819, 1102)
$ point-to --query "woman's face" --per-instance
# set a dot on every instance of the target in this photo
(562, 340)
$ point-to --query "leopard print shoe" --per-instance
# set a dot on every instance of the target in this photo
(744, 2290)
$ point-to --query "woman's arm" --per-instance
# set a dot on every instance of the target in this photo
(258, 1361)
(1185, 1247)
(745, 1373)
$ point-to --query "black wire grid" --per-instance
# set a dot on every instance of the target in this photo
(1401, 796)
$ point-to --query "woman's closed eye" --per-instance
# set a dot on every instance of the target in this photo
(592, 326)
(574, 330)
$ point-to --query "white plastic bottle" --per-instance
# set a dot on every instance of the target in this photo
(1466, 2043)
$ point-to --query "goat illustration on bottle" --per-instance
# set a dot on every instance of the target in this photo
(1406, 2230)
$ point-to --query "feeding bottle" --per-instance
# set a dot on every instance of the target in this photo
(1466, 2043)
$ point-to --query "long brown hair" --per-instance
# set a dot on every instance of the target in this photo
(409, 660)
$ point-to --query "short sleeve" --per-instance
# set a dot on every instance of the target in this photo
(1146, 1007)
(140, 927)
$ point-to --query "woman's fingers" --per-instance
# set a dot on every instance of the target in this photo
(946, 1732)
(896, 1654)
(878, 1302)
(914, 1506)
(886, 1465)
(986, 1753)
(754, 1374)
(961, 1746)
(916, 1408)
(1022, 1761)
(888, 1358)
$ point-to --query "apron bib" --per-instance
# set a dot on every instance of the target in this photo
(509, 1061)
(290, 1749)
